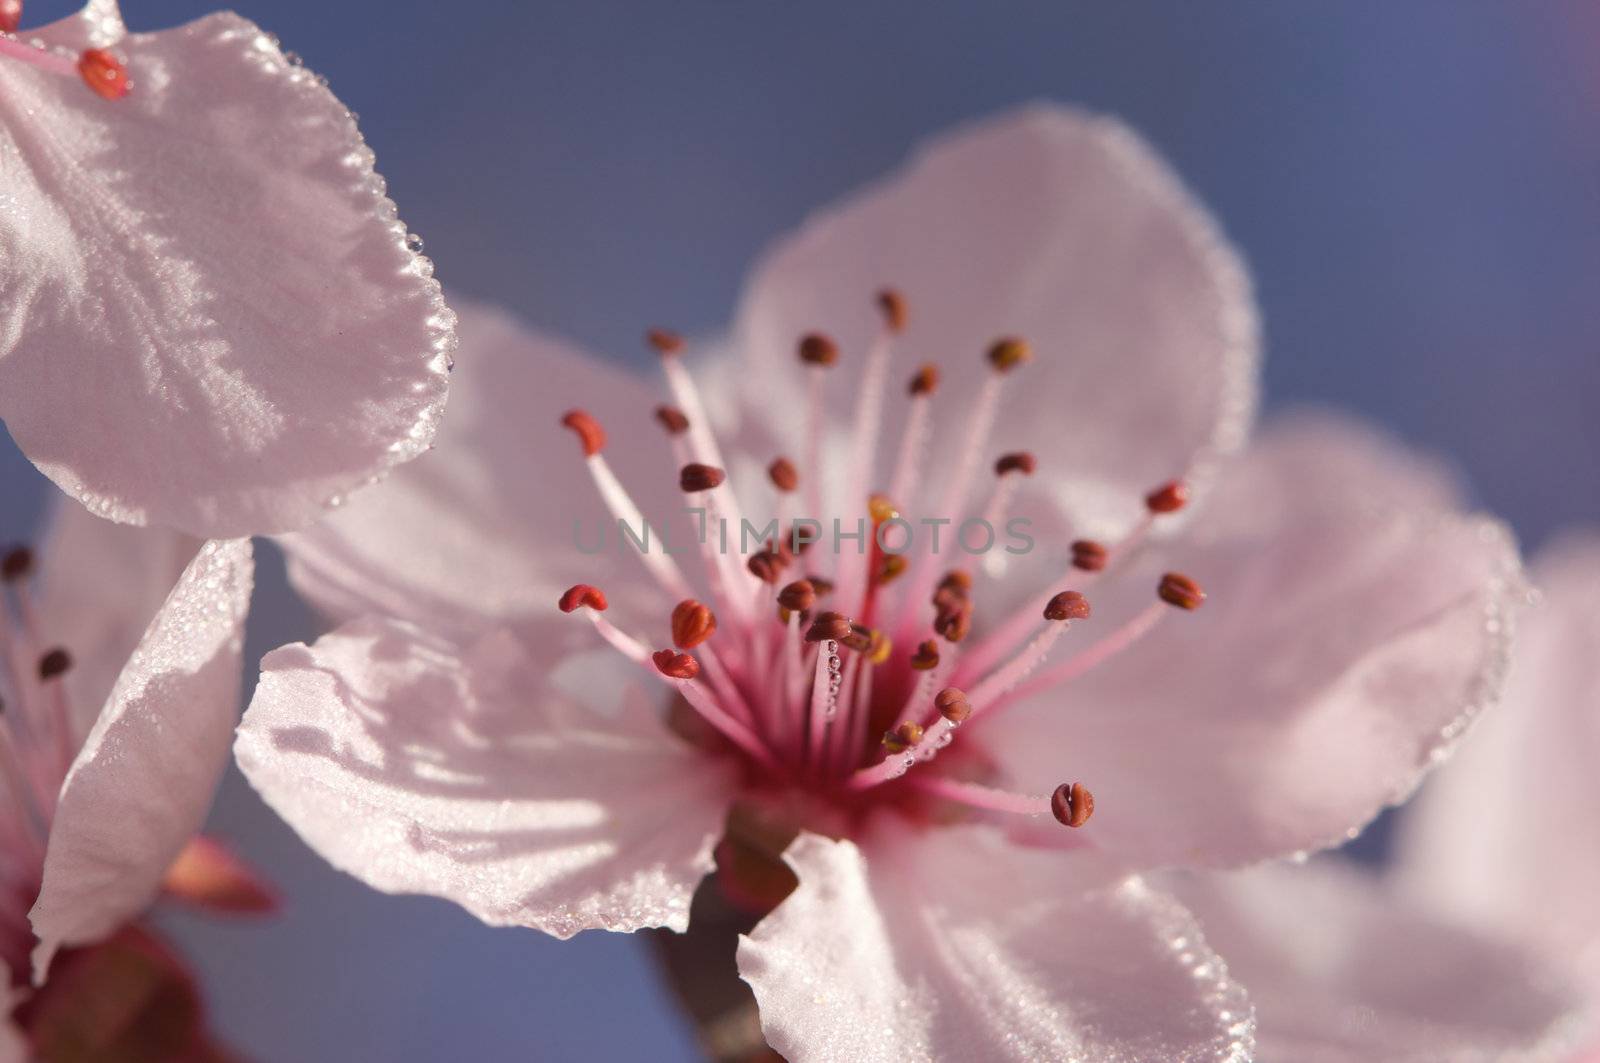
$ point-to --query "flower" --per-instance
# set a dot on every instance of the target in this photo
(965, 886)
(210, 316)
(99, 806)
(1502, 838)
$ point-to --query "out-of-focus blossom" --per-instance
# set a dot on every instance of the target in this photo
(210, 316)
(98, 806)
(961, 892)
(1508, 836)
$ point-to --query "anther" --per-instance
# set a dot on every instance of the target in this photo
(817, 349)
(903, 737)
(582, 594)
(881, 508)
(952, 704)
(664, 342)
(823, 587)
(768, 563)
(18, 564)
(1179, 590)
(675, 665)
(696, 477)
(925, 381)
(1007, 353)
(1089, 556)
(10, 15)
(104, 73)
(1021, 461)
(692, 624)
(54, 663)
(784, 476)
(1072, 805)
(880, 647)
(587, 429)
(957, 579)
(672, 419)
(859, 639)
(1168, 498)
(798, 597)
(926, 657)
(835, 626)
(1068, 605)
(893, 305)
(954, 624)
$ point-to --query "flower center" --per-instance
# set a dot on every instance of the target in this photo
(103, 72)
(792, 661)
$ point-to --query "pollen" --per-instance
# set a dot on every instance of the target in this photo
(692, 624)
(1168, 498)
(672, 419)
(893, 306)
(1089, 556)
(696, 478)
(1072, 804)
(664, 342)
(903, 737)
(590, 435)
(1068, 605)
(583, 596)
(1179, 590)
(104, 73)
(1009, 352)
(952, 704)
(784, 476)
(675, 665)
(798, 597)
(817, 349)
(925, 381)
(1021, 461)
(926, 657)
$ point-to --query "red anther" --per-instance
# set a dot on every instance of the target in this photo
(582, 594)
(784, 476)
(1179, 590)
(954, 624)
(1021, 462)
(54, 663)
(798, 596)
(926, 657)
(1089, 555)
(893, 306)
(672, 419)
(1068, 605)
(820, 585)
(664, 342)
(692, 624)
(104, 73)
(1072, 805)
(952, 704)
(903, 737)
(817, 349)
(10, 15)
(696, 477)
(18, 564)
(588, 430)
(925, 381)
(1008, 352)
(675, 665)
(767, 564)
(835, 626)
(1168, 498)
(957, 579)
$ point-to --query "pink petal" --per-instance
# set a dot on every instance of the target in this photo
(1505, 835)
(1353, 629)
(483, 529)
(1341, 972)
(1055, 225)
(208, 268)
(947, 944)
(421, 768)
(140, 786)
(97, 25)
(99, 585)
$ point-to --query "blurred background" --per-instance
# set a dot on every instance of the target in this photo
(1416, 186)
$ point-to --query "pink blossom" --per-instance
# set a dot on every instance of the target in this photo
(99, 805)
(1505, 837)
(210, 316)
(958, 897)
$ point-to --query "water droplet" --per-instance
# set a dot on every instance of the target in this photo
(414, 243)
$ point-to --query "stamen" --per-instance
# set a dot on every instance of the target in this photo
(1072, 804)
(798, 597)
(903, 737)
(696, 477)
(954, 623)
(818, 352)
(593, 601)
(692, 624)
(828, 627)
(817, 349)
(663, 341)
(982, 798)
(784, 476)
(675, 665)
(672, 419)
(855, 568)
(104, 73)
(1179, 590)
(1089, 556)
(952, 705)
(1099, 652)
(768, 563)
(10, 15)
(1009, 471)
(893, 306)
(1168, 498)
(1059, 612)
(926, 657)
(1008, 352)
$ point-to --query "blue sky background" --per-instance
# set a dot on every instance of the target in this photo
(1416, 186)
